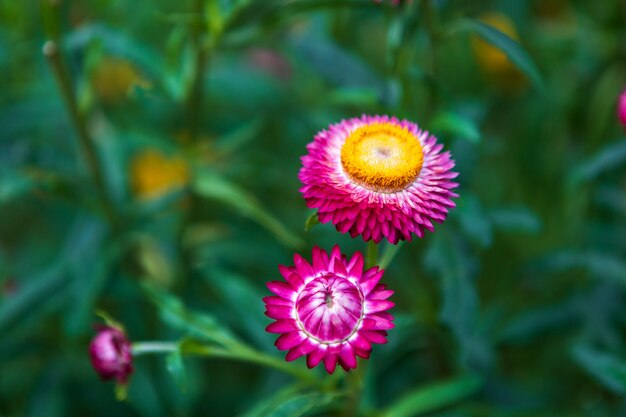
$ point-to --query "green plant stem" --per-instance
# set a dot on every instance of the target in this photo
(61, 74)
(194, 97)
(389, 254)
(431, 21)
(371, 254)
(355, 382)
(240, 353)
(141, 348)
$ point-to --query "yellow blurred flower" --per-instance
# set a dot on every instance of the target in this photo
(113, 78)
(493, 61)
(154, 174)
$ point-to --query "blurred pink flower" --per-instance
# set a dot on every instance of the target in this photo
(377, 176)
(270, 62)
(621, 108)
(331, 310)
(111, 354)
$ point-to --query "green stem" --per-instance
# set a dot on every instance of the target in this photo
(61, 74)
(141, 348)
(371, 254)
(240, 353)
(355, 382)
(431, 20)
(194, 98)
(389, 253)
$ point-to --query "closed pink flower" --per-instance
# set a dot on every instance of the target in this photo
(378, 177)
(111, 354)
(330, 310)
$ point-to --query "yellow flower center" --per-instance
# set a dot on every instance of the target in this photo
(382, 157)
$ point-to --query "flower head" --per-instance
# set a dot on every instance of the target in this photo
(377, 176)
(111, 354)
(329, 310)
(621, 108)
(154, 174)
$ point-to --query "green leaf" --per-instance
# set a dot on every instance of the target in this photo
(511, 48)
(455, 125)
(436, 396)
(609, 370)
(214, 18)
(600, 104)
(516, 219)
(356, 96)
(13, 185)
(121, 392)
(174, 314)
(244, 303)
(176, 367)
(338, 66)
(287, 404)
(242, 135)
(475, 223)
(29, 299)
(611, 157)
(599, 264)
(212, 186)
(311, 221)
(263, 407)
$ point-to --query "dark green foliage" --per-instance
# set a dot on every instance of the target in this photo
(514, 307)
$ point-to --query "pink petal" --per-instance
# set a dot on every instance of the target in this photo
(315, 357)
(282, 326)
(304, 269)
(330, 362)
(302, 349)
(281, 289)
(278, 312)
(374, 336)
(289, 340)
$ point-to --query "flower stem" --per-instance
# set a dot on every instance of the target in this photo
(61, 74)
(355, 382)
(194, 97)
(240, 353)
(371, 254)
(389, 253)
(141, 348)
(431, 20)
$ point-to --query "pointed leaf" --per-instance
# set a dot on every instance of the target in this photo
(511, 48)
(425, 400)
(212, 186)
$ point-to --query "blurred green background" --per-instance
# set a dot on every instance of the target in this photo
(148, 168)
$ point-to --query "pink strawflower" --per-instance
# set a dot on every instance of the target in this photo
(331, 310)
(621, 108)
(377, 176)
(111, 354)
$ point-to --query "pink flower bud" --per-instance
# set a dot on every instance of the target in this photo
(621, 108)
(111, 354)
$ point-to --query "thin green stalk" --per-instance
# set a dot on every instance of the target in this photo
(355, 380)
(240, 353)
(389, 253)
(371, 254)
(141, 348)
(195, 95)
(61, 74)
(431, 20)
